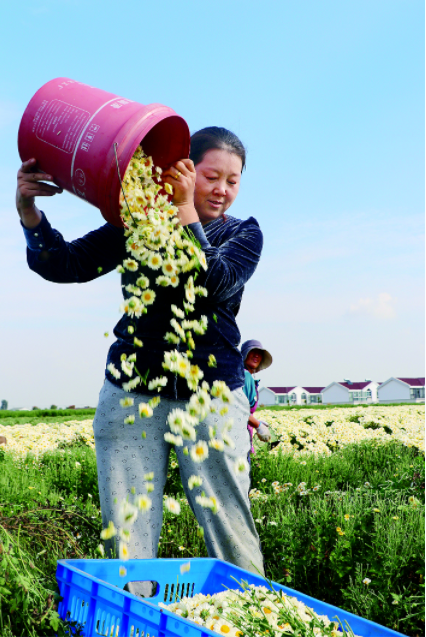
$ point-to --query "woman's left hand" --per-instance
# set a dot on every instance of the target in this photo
(181, 176)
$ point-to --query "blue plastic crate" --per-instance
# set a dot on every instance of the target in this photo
(93, 595)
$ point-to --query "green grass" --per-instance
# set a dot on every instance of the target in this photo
(36, 416)
(51, 511)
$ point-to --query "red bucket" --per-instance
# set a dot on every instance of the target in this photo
(71, 129)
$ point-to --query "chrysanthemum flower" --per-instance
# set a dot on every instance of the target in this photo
(155, 261)
(123, 551)
(127, 513)
(148, 297)
(143, 502)
(142, 282)
(212, 361)
(217, 444)
(145, 411)
(195, 481)
(173, 439)
(241, 465)
(113, 371)
(200, 451)
(109, 532)
(129, 420)
(130, 264)
(172, 505)
(157, 383)
(127, 402)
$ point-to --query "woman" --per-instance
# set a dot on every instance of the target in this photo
(205, 186)
(255, 359)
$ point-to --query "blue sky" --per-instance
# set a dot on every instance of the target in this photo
(327, 95)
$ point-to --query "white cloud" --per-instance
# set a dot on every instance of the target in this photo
(381, 308)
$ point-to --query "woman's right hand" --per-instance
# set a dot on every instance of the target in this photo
(30, 185)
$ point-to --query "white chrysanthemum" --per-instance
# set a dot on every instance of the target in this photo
(200, 451)
(130, 264)
(190, 290)
(113, 371)
(163, 281)
(173, 439)
(176, 419)
(143, 282)
(109, 532)
(127, 513)
(127, 402)
(217, 444)
(145, 410)
(171, 360)
(129, 420)
(127, 368)
(148, 297)
(132, 384)
(183, 366)
(169, 267)
(172, 505)
(171, 338)
(177, 312)
(207, 503)
(123, 551)
(155, 261)
(241, 465)
(195, 481)
(157, 383)
(124, 535)
(178, 329)
(143, 502)
(228, 441)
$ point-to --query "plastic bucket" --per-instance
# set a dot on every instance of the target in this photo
(71, 129)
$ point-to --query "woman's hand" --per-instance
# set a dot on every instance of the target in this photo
(181, 176)
(30, 185)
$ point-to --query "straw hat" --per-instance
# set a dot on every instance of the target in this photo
(248, 346)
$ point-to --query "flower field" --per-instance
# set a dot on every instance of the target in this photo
(338, 504)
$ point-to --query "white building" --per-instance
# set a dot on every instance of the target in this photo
(290, 395)
(350, 392)
(399, 390)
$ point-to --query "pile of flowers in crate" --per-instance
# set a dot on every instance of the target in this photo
(255, 611)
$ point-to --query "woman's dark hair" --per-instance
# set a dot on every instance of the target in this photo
(214, 137)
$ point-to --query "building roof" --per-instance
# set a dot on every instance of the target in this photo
(356, 386)
(281, 390)
(413, 382)
(313, 390)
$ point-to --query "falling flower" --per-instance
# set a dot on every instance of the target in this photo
(109, 532)
(145, 411)
(200, 451)
(172, 505)
(185, 568)
(143, 502)
(241, 465)
(194, 481)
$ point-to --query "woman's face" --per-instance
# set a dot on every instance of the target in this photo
(253, 360)
(217, 183)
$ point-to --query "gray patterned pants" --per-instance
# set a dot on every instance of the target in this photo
(123, 457)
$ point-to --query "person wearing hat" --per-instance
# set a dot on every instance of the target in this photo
(255, 358)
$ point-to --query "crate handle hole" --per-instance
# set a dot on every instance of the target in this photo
(142, 588)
